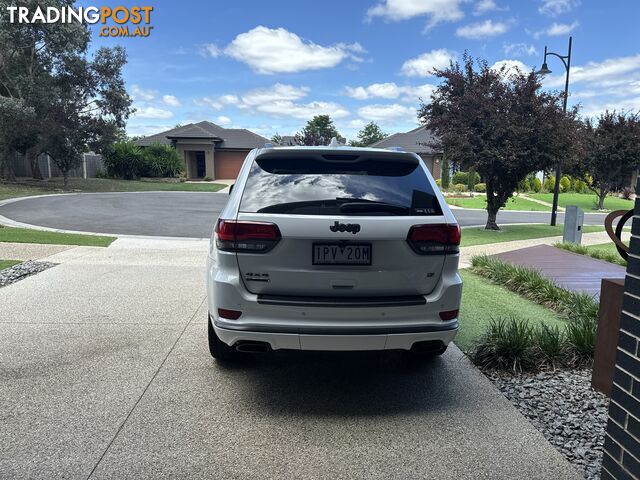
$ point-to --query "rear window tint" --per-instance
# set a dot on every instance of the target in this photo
(338, 185)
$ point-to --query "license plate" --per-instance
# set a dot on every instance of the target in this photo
(342, 254)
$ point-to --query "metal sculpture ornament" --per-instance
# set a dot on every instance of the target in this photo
(616, 236)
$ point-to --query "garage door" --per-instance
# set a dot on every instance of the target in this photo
(227, 164)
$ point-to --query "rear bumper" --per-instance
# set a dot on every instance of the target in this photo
(336, 339)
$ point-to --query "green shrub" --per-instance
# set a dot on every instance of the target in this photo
(480, 187)
(101, 174)
(550, 343)
(550, 183)
(524, 186)
(581, 338)
(565, 184)
(507, 345)
(536, 185)
(207, 178)
(460, 177)
(579, 186)
(439, 183)
(473, 178)
(124, 160)
(161, 161)
(460, 187)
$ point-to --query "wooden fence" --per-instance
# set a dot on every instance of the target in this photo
(90, 166)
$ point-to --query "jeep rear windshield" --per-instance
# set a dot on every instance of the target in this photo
(339, 185)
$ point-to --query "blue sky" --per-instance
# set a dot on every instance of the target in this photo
(270, 66)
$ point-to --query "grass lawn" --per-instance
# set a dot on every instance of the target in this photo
(586, 201)
(13, 190)
(27, 235)
(515, 203)
(480, 236)
(482, 301)
(8, 263)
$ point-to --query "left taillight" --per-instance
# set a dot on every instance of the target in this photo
(434, 239)
(248, 237)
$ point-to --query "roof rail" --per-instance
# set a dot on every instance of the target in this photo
(268, 145)
(396, 149)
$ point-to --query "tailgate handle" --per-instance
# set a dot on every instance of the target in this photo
(343, 284)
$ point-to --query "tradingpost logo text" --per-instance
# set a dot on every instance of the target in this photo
(115, 21)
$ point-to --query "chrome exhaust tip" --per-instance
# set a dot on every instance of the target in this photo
(253, 347)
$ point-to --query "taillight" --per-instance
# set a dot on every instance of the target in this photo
(434, 239)
(250, 237)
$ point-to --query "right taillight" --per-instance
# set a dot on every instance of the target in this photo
(249, 237)
(434, 239)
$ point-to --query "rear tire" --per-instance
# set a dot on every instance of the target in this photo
(218, 349)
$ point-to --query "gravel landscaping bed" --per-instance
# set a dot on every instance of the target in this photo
(563, 406)
(22, 270)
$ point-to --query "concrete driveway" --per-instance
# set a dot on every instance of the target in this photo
(176, 214)
(104, 373)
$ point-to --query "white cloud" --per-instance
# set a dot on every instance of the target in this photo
(438, 11)
(608, 73)
(286, 108)
(277, 92)
(391, 91)
(146, 129)
(387, 113)
(210, 102)
(557, 29)
(511, 66)
(596, 108)
(209, 50)
(423, 65)
(485, 29)
(484, 6)
(152, 112)
(554, 8)
(171, 100)
(269, 50)
(519, 49)
(139, 93)
(223, 120)
(228, 99)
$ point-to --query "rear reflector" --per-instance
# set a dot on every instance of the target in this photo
(449, 315)
(434, 239)
(229, 314)
(250, 237)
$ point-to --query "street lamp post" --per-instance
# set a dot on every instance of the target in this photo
(544, 70)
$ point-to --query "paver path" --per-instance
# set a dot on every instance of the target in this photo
(572, 271)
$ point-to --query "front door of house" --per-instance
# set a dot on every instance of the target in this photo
(200, 165)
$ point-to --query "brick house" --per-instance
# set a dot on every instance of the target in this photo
(417, 141)
(207, 149)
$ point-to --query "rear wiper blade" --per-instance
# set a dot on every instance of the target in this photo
(372, 206)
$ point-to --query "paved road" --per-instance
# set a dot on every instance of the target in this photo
(105, 374)
(175, 214)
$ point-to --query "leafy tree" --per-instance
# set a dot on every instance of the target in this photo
(276, 139)
(124, 160)
(611, 151)
(368, 135)
(318, 131)
(161, 161)
(44, 67)
(498, 122)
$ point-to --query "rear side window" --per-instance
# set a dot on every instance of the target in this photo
(338, 185)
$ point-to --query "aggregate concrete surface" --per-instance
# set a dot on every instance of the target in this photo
(105, 373)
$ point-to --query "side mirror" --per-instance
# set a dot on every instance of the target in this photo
(231, 188)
